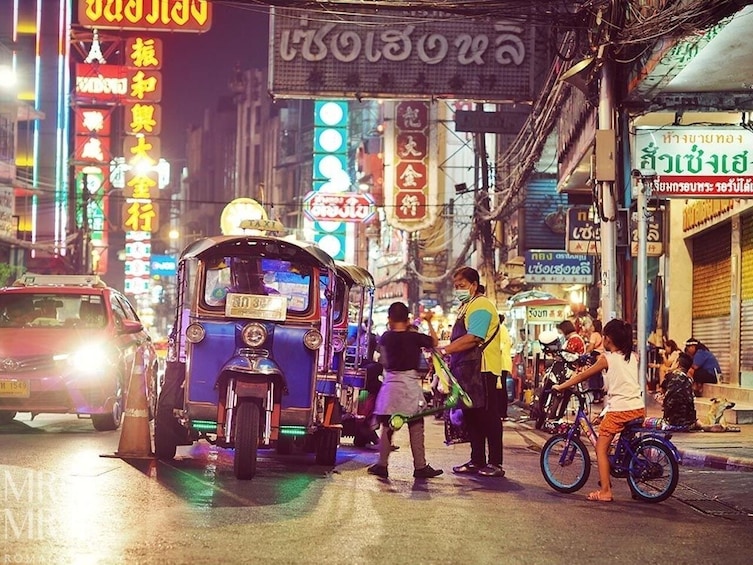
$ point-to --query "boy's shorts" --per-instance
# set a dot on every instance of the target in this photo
(614, 422)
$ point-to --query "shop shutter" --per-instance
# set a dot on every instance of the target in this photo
(712, 290)
(714, 333)
(746, 294)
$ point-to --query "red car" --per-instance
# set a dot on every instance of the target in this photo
(68, 344)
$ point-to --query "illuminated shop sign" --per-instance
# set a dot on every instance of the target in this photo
(363, 52)
(558, 267)
(140, 216)
(102, 82)
(151, 15)
(144, 53)
(114, 83)
(342, 207)
(693, 162)
(330, 174)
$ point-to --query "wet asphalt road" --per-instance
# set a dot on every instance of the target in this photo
(65, 503)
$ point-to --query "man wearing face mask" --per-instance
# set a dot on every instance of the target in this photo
(476, 361)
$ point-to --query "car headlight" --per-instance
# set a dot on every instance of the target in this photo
(312, 339)
(91, 358)
(195, 333)
(254, 334)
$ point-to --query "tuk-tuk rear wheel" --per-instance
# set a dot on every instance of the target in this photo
(326, 448)
(285, 445)
(246, 439)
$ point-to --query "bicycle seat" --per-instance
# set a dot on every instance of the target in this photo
(635, 423)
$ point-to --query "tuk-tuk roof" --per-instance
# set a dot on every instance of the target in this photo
(232, 244)
(353, 274)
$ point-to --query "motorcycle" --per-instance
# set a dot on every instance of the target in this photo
(547, 404)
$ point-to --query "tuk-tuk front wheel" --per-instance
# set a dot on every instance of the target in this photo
(247, 419)
(165, 436)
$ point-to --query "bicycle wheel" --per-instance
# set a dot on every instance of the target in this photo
(565, 463)
(654, 471)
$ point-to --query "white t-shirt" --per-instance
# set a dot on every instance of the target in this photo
(621, 383)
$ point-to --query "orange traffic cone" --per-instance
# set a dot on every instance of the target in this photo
(135, 436)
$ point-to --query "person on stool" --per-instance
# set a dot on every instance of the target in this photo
(705, 368)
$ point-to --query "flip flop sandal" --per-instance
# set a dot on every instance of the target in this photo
(596, 496)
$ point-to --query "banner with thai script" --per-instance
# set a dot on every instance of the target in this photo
(365, 53)
(339, 207)
(697, 162)
(193, 16)
(558, 267)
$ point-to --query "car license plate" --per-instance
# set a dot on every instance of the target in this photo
(14, 388)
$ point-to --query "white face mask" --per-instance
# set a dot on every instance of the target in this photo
(463, 294)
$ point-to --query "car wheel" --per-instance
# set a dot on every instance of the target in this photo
(108, 422)
(6, 416)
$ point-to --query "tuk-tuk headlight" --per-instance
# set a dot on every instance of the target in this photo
(195, 333)
(254, 334)
(338, 343)
(312, 339)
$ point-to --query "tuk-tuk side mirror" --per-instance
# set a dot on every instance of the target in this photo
(130, 327)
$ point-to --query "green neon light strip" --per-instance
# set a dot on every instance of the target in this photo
(292, 431)
(204, 425)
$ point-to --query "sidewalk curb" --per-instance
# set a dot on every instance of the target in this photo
(691, 457)
(697, 458)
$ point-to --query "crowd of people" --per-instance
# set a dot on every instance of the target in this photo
(478, 352)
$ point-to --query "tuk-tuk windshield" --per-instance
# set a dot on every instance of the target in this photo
(259, 276)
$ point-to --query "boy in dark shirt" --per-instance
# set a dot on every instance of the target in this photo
(678, 404)
(401, 390)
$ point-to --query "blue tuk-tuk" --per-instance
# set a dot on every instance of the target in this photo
(249, 358)
(354, 360)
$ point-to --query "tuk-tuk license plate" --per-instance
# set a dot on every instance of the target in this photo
(272, 308)
(14, 389)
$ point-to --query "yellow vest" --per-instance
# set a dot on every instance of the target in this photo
(491, 361)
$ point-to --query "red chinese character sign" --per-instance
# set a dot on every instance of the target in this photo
(410, 180)
(409, 205)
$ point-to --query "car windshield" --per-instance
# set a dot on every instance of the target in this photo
(18, 310)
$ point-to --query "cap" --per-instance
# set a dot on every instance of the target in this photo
(692, 341)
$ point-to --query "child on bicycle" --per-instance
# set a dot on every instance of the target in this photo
(624, 400)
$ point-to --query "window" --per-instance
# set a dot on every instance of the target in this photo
(49, 310)
(257, 276)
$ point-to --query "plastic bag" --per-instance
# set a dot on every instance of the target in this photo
(455, 428)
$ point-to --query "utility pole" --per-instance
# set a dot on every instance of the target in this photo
(646, 181)
(413, 272)
(85, 231)
(487, 270)
(606, 175)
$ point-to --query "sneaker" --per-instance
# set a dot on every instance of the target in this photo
(492, 471)
(427, 472)
(466, 468)
(379, 471)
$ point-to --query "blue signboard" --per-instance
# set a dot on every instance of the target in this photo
(164, 265)
(558, 267)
